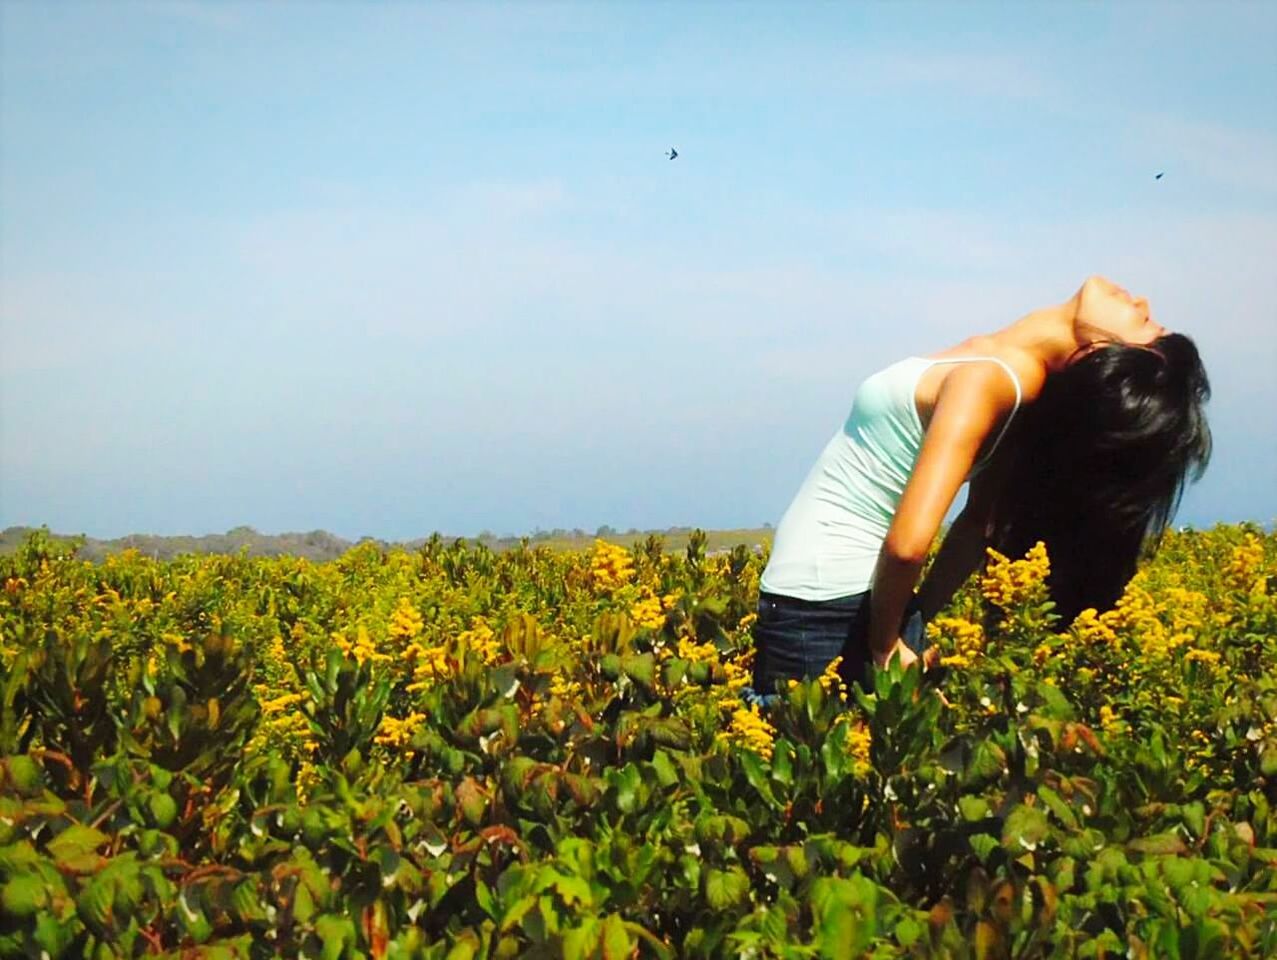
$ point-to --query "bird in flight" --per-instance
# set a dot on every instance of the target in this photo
(672, 153)
(1158, 177)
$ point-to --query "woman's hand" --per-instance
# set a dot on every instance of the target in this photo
(930, 657)
(907, 656)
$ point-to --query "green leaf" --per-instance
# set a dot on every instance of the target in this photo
(988, 760)
(725, 888)
(973, 807)
(303, 904)
(24, 895)
(75, 841)
(1025, 828)
(908, 930)
(1055, 803)
(24, 774)
(1194, 815)
(581, 942)
(641, 669)
(783, 763)
(1162, 843)
(617, 943)
(666, 774)
(752, 765)
(163, 809)
(334, 933)
(983, 846)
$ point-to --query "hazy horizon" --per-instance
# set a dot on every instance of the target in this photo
(382, 270)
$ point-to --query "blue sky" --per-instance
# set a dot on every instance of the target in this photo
(389, 269)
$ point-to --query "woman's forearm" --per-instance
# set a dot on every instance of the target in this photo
(960, 553)
(894, 579)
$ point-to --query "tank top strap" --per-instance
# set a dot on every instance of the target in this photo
(1019, 395)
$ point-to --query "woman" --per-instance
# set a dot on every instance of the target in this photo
(1075, 425)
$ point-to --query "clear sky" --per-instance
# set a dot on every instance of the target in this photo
(390, 269)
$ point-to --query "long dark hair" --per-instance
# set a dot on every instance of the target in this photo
(1098, 466)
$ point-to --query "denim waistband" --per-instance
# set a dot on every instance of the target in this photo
(838, 603)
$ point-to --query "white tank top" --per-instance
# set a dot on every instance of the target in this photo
(828, 540)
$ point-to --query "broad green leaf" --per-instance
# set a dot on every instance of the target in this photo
(617, 942)
(1025, 828)
(75, 841)
(24, 894)
(725, 888)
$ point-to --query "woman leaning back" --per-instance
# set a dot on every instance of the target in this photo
(1075, 425)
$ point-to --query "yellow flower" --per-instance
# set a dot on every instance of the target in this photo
(1205, 656)
(1008, 583)
(859, 741)
(967, 639)
(1245, 566)
(406, 622)
(432, 664)
(565, 689)
(280, 703)
(1090, 627)
(1108, 719)
(362, 648)
(749, 730)
(831, 682)
(396, 733)
(610, 566)
(689, 649)
(480, 639)
(647, 611)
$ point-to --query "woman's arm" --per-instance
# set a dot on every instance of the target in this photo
(964, 544)
(970, 404)
(960, 553)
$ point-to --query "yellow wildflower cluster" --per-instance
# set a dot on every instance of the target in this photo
(648, 611)
(179, 642)
(695, 652)
(1008, 583)
(564, 688)
(611, 566)
(859, 741)
(670, 599)
(361, 648)
(481, 639)
(307, 780)
(1204, 656)
(395, 733)
(281, 726)
(1245, 570)
(1109, 720)
(966, 637)
(281, 703)
(749, 730)
(430, 666)
(406, 622)
(1090, 626)
(831, 682)
(1188, 609)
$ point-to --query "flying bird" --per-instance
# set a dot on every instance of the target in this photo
(672, 153)
(1158, 177)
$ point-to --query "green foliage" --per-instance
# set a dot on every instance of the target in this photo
(456, 752)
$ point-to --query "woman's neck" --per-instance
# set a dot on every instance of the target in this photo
(1048, 334)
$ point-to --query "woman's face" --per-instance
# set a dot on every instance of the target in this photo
(1108, 307)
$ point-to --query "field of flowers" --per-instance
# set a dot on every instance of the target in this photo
(456, 753)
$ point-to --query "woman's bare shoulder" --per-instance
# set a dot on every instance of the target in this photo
(1029, 370)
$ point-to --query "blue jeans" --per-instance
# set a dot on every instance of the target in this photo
(797, 639)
